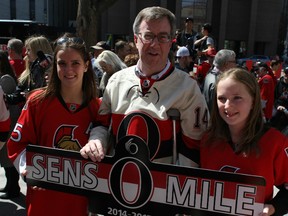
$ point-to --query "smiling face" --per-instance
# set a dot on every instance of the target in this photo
(70, 69)
(154, 55)
(234, 103)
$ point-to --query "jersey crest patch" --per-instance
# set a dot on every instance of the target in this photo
(64, 138)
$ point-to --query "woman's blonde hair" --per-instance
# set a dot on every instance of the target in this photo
(36, 43)
(112, 59)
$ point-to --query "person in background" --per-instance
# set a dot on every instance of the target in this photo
(122, 49)
(96, 51)
(8, 83)
(131, 59)
(187, 37)
(133, 48)
(267, 89)
(5, 120)
(224, 60)
(33, 75)
(200, 70)
(15, 50)
(147, 91)
(239, 139)
(110, 63)
(280, 118)
(69, 103)
(275, 64)
(184, 60)
(205, 43)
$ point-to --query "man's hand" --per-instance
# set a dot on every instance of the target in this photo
(93, 150)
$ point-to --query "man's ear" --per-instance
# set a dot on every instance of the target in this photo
(135, 39)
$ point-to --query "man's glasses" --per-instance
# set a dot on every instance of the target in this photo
(76, 40)
(147, 38)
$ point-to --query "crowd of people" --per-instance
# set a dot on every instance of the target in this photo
(228, 116)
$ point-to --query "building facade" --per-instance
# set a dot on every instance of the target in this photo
(246, 26)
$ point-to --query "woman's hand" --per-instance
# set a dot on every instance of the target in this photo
(267, 210)
(23, 174)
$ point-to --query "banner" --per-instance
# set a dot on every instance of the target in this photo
(129, 184)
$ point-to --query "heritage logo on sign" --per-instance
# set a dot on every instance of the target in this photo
(128, 183)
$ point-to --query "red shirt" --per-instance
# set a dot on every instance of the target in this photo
(267, 87)
(18, 66)
(50, 124)
(271, 163)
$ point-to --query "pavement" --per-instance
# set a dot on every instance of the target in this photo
(15, 206)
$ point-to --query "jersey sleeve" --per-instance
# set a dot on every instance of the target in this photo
(24, 132)
(194, 122)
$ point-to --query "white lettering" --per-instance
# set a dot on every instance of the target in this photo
(205, 194)
(72, 173)
(244, 201)
(39, 171)
(181, 197)
(90, 180)
(53, 171)
(220, 204)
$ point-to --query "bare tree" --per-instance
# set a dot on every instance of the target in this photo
(89, 19)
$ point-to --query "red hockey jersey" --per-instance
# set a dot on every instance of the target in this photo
(271, 162)
(51, 123)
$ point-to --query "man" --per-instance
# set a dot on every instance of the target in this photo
(183, 60)
(200, 70)
(96, 51)
(187, 36)
(15, 51)
(139, 98)
(205, 43)
(122, 49)
(224, 60)
(267, 88)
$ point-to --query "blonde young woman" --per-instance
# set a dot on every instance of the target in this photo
(33, 75)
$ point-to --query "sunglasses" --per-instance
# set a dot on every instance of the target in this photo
(76, 40)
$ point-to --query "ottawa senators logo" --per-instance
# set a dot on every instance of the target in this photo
(64, 138)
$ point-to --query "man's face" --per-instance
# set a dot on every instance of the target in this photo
(261, 72)
(97, 52)
(189, 24)
(153, 55)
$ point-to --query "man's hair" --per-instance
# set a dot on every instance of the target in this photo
(16, 45)
(154, 13)
(208, 27)
(223, 56)
(120, 45)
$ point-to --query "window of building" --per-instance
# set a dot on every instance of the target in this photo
(12, 9)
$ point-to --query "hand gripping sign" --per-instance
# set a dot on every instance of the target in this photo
(129, 184)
